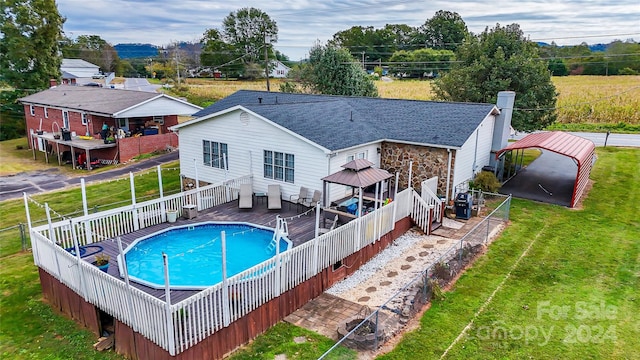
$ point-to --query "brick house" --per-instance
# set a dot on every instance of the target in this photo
(67, 121)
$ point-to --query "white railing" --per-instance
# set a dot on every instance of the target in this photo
(212, 309)
(433, 200)
(110, 224)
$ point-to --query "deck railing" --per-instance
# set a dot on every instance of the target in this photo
(178, 327)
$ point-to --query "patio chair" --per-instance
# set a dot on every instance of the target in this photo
(333, 226)
(317, 197)
(274, 197)
(299, 198)
(245, 197)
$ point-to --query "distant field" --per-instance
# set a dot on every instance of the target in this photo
(590, 100)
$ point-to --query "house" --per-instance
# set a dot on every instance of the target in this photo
(138, 121)
(278, 69)
(297, 139)
(79, 68)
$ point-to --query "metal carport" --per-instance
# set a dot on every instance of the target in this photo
(579, 149)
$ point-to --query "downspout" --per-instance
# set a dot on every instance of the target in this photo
(448, 176)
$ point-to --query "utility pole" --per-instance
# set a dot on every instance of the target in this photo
(267, 40)
(363, 67)
(177, 64)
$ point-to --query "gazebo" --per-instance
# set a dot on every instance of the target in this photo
(358, 174)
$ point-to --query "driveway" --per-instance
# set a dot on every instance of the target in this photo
(549, 179)
(12, 187)
(140, 84)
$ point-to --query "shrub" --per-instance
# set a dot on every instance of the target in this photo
(485, 181)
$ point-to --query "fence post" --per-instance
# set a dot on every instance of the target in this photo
(376, 332)
(23, 237)
(486, 238)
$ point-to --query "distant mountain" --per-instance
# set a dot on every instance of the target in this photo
(593, 48)
(129, 51)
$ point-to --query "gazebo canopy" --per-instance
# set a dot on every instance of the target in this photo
(358, 173)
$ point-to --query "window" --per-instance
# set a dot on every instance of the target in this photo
(158, 120)
(85, 119)
(46, 112)
(65, 119)
(361, 155)
(279, 166)
(32, 110)
(215, 154)
(123, 123)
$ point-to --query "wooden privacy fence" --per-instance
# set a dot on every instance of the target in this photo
(180, 326)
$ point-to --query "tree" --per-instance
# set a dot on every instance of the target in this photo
(93, 49)
(445, 30)
(420, 63)
(332, 70)
(502, 59)
(246, 30)
(30, 32)
(218, 54)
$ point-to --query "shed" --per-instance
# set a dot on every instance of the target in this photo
(577, 148)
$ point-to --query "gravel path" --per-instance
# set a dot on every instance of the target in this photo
(389, 271)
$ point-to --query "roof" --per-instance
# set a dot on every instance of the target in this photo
(327, 119)
(77, 63)
(103, 101)
(559, 142)
(358, 173)
(66, 75)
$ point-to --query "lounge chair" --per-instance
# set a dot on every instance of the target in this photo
(245, 197)
(317, 197)
(274, 197)
(301, 197)
(333, 226)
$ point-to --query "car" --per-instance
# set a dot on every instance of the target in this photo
(93, 84)
(98, 76)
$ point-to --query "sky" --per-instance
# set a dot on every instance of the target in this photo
(302, 22)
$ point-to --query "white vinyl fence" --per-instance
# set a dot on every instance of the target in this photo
(193, 319)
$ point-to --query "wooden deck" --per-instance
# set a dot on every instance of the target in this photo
(301, 230)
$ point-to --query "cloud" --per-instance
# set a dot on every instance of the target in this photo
(302, 22)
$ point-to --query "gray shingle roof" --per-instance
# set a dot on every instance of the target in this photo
(90, 99)
(338, 122)
(77, 63)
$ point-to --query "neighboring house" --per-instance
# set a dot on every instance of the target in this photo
(278, 69)
(67, 79)
(297, 139)
(79, 68)
(139, 121)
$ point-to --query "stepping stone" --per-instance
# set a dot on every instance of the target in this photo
(371, 289)
(428, 246)
(410, 258)
(280, 357)
(364, 299)
(300, 339)
(405, 267)
(385, 283)
(392, 273)
(423, 253)
(442, 241)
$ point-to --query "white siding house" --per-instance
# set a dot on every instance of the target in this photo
(279, 70)
(79, 68)
(315, 135)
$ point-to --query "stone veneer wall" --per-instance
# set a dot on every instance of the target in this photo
(427, 162)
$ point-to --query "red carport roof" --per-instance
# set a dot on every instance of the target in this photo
(559, 142)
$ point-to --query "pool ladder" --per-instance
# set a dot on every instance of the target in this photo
(280, 230)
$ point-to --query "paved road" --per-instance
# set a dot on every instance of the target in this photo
(140, 84)
(12, 187)
(632, 140)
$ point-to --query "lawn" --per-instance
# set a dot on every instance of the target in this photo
(565, 281)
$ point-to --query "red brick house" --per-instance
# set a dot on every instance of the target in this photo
(67, 121)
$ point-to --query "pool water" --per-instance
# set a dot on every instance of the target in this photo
(195, 254)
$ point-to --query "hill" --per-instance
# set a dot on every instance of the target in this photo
(128, 51)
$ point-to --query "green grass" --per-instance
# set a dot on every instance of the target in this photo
(579, 259)
(280, 340)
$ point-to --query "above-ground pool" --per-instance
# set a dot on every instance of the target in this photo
(194, 253)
